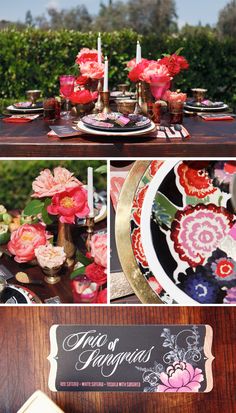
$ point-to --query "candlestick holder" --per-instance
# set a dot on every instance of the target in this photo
(90, 230)
(106, 102)
(139, 102)
(99, 104)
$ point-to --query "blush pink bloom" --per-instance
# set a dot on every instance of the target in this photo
(92, 70)
(70, 204)
(132, 63)
(83, 97)
(86, 55)
(180, 378)
(156, 74)
(48, 184)
(25, 240)
(170, 96)
(98, 245)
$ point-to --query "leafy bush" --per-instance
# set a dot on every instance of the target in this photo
(16, 178)
(35, 58)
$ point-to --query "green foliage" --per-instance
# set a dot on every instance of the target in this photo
(35, 58)
(16, 179)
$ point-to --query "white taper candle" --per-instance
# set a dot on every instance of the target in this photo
(90, 191)
(105, 84)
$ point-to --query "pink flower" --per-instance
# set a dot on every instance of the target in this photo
(102, 296)
(98, 245)
(92, 70)
(198, 230)
(96, 273)
(132, 63)
(83, 97)
(156, 74)
(180, 378)
(170, 96)
(136, 73)
(175, 64)
(48, 184)
(70, 204)
(86, 55)
(81, 80)
(25, 239)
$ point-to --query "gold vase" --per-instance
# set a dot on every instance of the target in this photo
(64, 239)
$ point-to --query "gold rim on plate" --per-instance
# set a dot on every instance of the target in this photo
(128, 261)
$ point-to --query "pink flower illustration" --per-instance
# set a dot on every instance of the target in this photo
(198, 230)
(25, 239)
(70, 204)
(92, 70)
(48, 184)
(98, 245)
(180, 378)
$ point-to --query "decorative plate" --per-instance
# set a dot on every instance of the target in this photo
(15, 294)
(116, 122)
(13, 109)
(220, 108)
(143, 132)
(188, 231)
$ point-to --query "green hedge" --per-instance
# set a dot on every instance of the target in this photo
(16, 178)
(34, 59)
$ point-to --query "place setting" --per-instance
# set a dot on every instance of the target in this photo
(54, 250)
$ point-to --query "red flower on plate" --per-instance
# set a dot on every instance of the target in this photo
(195, 180)
(96, 273)
(138, 203)
(138, 247)
(154, 167)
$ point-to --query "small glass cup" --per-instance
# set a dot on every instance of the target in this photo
(176, 110)
(84, 290)
(51, 108)
(154, 111)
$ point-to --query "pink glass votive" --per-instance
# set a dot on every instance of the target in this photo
(176, 112)
(84, 290)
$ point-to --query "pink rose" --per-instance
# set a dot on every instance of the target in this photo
(180, 378)
(48, 184)
(86, 55)
(92, 70)
(98, 245)
(25, 239)
(156, 74)
(83, 97)
(70, 204)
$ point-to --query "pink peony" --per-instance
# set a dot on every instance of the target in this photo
(96, 273)
(92, 70)
(170, 96)
(156, 74)
(136, 73)
(83, 97)
(98, 245)
(87, 55)
(81, 80)
(70, 204)
(180, 378)
(132, 63)
(25, 239)
(48, 184)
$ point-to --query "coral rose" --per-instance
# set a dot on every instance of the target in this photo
(87, 55)
(70, 204)
(25, 239)
(98, 245)
(83, 97)
(92, 70)
(48, 184)
(96, 273)
(180, 378)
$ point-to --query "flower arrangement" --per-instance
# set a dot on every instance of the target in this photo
(49, 256)
(89, 68)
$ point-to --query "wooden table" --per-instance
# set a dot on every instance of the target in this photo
(208, 139)
(24, 337)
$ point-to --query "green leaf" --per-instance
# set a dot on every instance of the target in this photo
(164, 210)
(34, 207)
(102, 169)
(45, 215)
(84, 260)
(178, 51)
(78, 271)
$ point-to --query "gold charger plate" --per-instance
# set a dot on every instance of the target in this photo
(128, 262)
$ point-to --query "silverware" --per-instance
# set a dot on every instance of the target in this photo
(163, 129)
(178, 128)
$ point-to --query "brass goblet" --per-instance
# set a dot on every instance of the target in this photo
(124, 88)
(33, 95)
(126, 106)
(199, 95)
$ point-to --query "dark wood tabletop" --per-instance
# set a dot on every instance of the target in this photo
(208, 139)
(24, 338)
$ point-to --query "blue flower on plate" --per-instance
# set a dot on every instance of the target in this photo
(222, 268)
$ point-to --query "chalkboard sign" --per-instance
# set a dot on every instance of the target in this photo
(137, 358)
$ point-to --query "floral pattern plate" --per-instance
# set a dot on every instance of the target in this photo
(188, 231)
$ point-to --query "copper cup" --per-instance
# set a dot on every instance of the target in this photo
(122, 87)
(199, 95)
(126, 106)
(33, 95)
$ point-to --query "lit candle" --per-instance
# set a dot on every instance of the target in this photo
(138, 53)
(90, 191)
(105, 85)
(99, 49)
